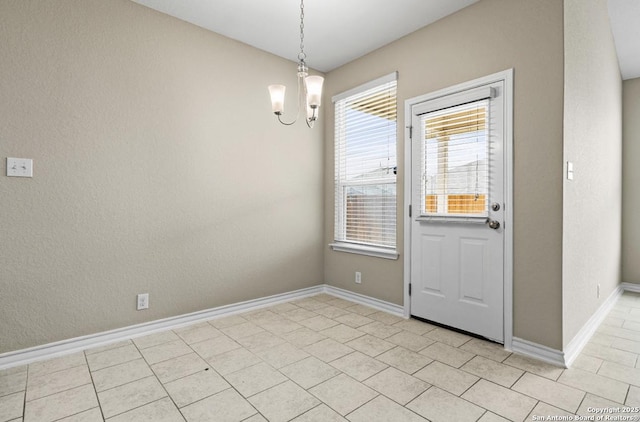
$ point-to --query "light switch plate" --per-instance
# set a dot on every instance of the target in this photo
(569, 170)
(19, 167)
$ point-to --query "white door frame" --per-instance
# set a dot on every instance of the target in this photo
(507, 77)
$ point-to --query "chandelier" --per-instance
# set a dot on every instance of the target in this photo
(309, 87)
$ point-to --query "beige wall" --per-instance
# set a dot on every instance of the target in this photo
(631, 181)
(487, 37)
(158, 167)
(593, 142)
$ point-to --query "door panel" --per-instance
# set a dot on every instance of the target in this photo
(473, 269)
(432, 261)
(457, 259)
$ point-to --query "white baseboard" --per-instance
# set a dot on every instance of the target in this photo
(631, 287)
(372, 302)
(568, 356)
(581, 339)
(65, 347)
(538, 351)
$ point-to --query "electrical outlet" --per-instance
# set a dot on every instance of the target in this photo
(358, 277)
(143, 301)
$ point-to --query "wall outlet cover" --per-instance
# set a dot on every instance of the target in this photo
(143, 301)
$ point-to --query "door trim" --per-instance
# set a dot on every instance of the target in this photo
(507, 77)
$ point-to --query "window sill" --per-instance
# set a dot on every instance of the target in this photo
(377, 252)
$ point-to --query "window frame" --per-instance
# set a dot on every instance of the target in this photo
(341, 244)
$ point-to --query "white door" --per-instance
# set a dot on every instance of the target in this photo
(457, 221)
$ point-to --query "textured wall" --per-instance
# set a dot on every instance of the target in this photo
(593, 142)
(487, 37)
(158, 168)
(631, 181)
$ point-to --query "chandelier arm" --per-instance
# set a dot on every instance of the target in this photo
(300, 99)
(285, 123)
(310, 122)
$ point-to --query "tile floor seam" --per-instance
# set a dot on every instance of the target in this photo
(126, 411)
(153, 374)
(315, 385)
(626, 396)
(78, 413)
(553, 405)
(595, 394)
(517, 392)
(433, 386)
(59, 391)
(582, 401)
(231, 386)
(266, 389)
(24, 398)
(307, 411)
(599, 367)
(162, 331)
(162, 361)
(395, 401)
(46, 374)
(205, 398)
(362, 405)
(113, 366)
(199, 355)
(242, 369)
(468, 388)
(495, 384)
(108, 350)
(209, 367)
(123, 384)
(9, 394)
(521, 376)
(94, 385)
(162, 398)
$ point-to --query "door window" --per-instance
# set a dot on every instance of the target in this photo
(455, 161)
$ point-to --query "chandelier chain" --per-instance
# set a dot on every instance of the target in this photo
(309, 87)
(302, 54)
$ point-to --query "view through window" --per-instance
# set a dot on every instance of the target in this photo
(366, 165)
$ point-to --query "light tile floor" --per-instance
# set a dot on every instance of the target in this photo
(325, 359)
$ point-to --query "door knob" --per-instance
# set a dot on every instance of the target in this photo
(493, 224)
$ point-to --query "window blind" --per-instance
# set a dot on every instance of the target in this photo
(366, 164)
(455, 171)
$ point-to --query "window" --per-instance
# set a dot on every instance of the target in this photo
(365, 169)
(455, 169)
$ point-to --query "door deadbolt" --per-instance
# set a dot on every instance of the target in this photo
(495, 206)
(493, 224)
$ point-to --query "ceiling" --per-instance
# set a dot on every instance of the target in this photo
(625, 25)
(333, 39)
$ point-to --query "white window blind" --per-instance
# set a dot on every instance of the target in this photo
(455, 172)
(366, 164)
